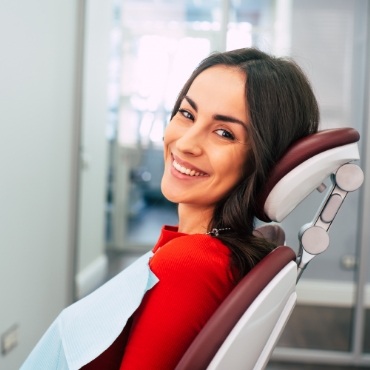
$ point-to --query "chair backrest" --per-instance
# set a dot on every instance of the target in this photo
(218, 328)
(273, 233)
(243, 331)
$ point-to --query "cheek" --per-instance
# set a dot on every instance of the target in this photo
(169, 134)
(237, 166)
(166, 140)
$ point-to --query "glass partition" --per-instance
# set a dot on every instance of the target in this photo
(324, 326)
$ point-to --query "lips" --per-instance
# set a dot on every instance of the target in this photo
(187, 169)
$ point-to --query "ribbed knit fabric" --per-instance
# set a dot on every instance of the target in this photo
(194, 278)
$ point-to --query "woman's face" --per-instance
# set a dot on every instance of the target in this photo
(206, 144)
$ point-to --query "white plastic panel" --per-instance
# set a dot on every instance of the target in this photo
(253, 338)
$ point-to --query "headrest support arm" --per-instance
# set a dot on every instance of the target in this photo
(314, 237)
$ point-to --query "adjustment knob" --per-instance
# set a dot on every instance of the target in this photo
(315, 240)
(349, 177)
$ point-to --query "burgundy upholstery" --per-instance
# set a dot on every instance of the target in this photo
(214, 333)
(299, 152)
(273, 233)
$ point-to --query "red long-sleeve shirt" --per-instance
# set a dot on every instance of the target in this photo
(194, 278)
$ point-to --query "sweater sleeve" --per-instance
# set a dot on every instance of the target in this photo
(194, 278)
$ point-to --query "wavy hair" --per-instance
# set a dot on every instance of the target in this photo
(282, 108)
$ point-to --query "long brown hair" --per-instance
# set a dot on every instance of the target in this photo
(282, 108)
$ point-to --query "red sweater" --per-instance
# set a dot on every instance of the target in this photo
(194, 278)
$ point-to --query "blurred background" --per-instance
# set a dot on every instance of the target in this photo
(86, 90)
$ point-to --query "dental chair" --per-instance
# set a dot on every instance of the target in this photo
(244, 330)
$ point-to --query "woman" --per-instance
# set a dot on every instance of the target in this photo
(233, 119)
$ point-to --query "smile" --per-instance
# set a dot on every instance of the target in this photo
(187, 171)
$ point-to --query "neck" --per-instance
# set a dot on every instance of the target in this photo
(194, 220)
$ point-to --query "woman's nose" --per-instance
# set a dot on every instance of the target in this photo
(191, 141)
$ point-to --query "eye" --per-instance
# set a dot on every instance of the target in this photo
(186, 114)
(225, 134)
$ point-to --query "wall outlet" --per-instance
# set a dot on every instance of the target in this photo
(348, 262)
(9, 339)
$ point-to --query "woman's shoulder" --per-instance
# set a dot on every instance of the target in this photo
(192, 252)
(196, 244)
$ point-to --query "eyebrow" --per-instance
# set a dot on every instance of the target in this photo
(217, 117)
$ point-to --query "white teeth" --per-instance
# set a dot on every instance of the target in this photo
(186, 171)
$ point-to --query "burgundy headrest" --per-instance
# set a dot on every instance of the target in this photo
(300, 151)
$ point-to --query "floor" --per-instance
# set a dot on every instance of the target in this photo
(290, 366)
(310, 327)
(324, 328)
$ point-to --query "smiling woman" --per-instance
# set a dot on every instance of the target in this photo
(205, 146)
(235, 116)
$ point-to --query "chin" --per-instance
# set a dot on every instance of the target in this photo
(167, 194)
(170, 197)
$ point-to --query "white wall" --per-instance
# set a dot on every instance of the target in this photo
(92, 261)
(38, 81)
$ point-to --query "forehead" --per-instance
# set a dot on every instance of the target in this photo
(222, 87)
(228, 79)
